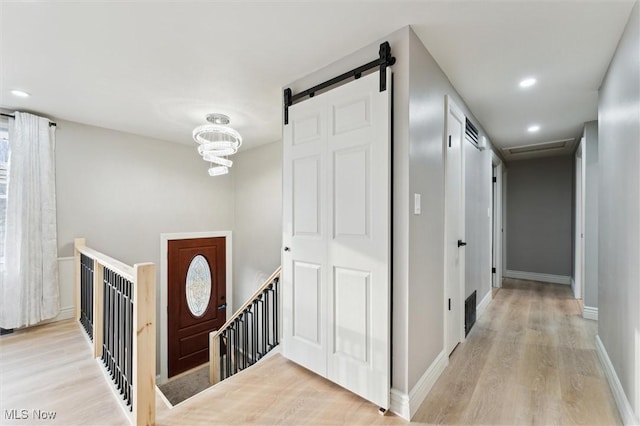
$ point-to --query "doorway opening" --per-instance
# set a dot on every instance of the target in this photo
(164, 288)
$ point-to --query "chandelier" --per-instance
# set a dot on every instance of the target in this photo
(216, 142)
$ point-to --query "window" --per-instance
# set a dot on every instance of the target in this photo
(4, 178)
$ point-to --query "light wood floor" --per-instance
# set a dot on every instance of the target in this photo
(529, 360)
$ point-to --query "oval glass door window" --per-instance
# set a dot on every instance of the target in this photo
(198, 286)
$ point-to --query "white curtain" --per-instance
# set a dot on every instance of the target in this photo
(29, 291)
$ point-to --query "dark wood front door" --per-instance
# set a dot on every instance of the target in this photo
(197, 299)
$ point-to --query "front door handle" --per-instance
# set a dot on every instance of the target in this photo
(461, 243)
(222, 307)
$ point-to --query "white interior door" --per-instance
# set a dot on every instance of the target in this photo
(305, 236)
(579, 225)
(497, 222)
(336, 194)
(494, 225)
(454, 226)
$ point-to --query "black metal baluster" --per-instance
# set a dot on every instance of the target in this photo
(228, 350)
(107, 314)
(107, 274)
(239, 343)
(245, 341)
(127, 348)
(266, 320)
(236, 331)
(112, 325)
(91, 291)
(254, 307)
(105, 303)
(263, 300)
(131, 333)
(122, 338)
(275, 310)
(118, 331)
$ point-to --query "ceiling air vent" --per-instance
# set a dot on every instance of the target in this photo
(539, 147)
(471, 132)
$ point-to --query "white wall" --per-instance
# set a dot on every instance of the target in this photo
(619, 213)
(590, 152)
(257, 237)
(121, 191)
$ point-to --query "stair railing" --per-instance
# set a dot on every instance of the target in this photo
(249, 334)
(116, 306)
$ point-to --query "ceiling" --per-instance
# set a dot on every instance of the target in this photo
(157, 68)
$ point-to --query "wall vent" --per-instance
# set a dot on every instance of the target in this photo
(469, 312)
(471, 132)
(539, 147)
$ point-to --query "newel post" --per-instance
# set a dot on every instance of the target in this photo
(214, 358)
(144, 344)
(98, 307)
(77, 244)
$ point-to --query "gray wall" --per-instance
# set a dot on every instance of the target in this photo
(619, 214)
(428, 86)
(539, 216)
(590, 153)
(257, 236)
(478, 199)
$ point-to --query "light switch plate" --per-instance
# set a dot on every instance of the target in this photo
(417, 208)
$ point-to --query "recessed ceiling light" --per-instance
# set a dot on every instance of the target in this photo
(528, 82)
(20, 93)
(533, 128)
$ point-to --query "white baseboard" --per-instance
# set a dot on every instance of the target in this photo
(399, 404)
(624, 406)
(66, 313)
(590, 313)
(534, 276)
(482, 306)
(405, 405)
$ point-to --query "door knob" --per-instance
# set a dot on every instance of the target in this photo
(461, 243)
(222, 307)
(287, 249)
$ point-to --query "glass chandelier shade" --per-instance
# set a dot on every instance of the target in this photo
(216, 141)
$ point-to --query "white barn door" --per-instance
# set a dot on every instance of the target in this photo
(336, 233)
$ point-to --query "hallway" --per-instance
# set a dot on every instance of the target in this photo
(530, 359)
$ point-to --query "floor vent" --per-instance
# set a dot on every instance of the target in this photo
(469, 313)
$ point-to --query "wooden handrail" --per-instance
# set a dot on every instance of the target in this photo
(249, 301)
(109, 262)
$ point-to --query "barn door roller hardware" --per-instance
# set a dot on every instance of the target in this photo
(385, 60)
